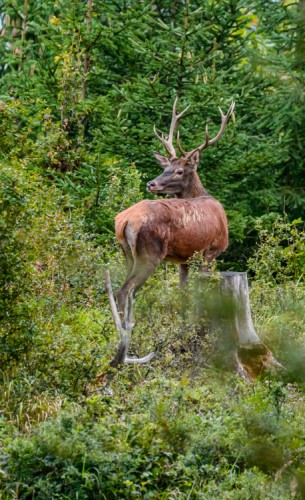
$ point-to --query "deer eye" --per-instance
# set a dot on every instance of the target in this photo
(179, 171)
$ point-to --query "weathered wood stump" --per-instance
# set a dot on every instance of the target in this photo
(228, 311)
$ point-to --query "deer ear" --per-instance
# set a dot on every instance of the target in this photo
(195, 158)
(164, 162)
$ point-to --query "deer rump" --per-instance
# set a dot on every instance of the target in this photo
(172, 229)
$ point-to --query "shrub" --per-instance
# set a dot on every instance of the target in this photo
(280, 256)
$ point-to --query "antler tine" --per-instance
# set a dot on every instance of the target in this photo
(207, 142)
(184, 153)
(161, 138)
(175, 119)
(168, 143)
(224, 121)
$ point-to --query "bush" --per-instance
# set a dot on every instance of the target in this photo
(51, 281)
(280, 256)
(159, 439)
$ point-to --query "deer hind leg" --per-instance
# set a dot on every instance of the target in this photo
(140, 273)
(129, 259)
(125, 290)
(147, 251)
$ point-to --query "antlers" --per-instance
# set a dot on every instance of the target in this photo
(168, 143)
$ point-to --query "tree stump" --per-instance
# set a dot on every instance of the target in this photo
(224, 299)
(227, 306)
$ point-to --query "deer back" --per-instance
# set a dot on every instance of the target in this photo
(174, 229)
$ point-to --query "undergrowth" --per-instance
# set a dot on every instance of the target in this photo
(182, 426)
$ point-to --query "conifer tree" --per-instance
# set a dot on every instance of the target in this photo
(103, 73)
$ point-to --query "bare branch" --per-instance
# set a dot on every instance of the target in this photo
(124, 328)
(112, 303)
(143, 360)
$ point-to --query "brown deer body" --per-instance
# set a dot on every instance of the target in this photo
(172, 229)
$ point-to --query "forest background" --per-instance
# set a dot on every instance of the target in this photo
(82, 84)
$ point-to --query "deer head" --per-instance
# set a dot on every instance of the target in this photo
(180, 177)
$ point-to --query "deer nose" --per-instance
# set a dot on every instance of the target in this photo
(150, 184)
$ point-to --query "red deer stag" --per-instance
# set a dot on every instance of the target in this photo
(172, 229)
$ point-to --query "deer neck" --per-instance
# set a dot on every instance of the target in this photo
(194, 189)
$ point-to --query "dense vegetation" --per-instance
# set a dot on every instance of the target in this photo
(82, 84)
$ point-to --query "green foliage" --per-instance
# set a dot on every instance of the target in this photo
(167, 438)
(82, 85)
(97, 77)
(280, 256)
(17, 326)
(278, 292)
(109, 200)
(47, 266)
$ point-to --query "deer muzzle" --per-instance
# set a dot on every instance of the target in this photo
(152, 187)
